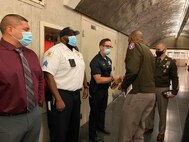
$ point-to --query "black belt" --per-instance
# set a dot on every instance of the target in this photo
(70, 92)
(14, 114)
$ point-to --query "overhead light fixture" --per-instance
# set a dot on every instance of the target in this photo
(182, 18)
(71, 3)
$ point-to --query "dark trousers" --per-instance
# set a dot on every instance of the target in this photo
(21, 128)
(185, 137)
(64, 125)
(98, 105)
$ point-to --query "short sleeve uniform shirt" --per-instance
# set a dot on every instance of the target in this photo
(102, 66)
(66, 66)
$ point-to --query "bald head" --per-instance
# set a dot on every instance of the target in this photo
(136, 36)
(11, 20)
(160, 47)
(161, 50)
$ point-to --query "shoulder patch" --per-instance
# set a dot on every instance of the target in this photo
(131, 46)
(45, 63)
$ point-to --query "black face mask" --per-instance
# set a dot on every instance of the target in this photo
(159, 53)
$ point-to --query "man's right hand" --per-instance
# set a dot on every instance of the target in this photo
(60, 105)
(117, 79)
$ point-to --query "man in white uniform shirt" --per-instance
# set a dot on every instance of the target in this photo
(63, 67)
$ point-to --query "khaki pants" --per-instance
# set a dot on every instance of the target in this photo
(162, 104)
(135, 110)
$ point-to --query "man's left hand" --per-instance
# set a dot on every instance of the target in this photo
(172, 96)
(85, 93)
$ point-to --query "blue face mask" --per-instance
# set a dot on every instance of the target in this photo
(107, 51)
(72, 41)
(26, 38)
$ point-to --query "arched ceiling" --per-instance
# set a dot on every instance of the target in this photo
(157, 19)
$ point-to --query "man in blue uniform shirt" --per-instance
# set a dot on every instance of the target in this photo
(101, 78)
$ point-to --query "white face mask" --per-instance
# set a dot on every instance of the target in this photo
(107, 51)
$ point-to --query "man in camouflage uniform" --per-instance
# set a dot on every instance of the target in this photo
(166, 72)
(140, 69)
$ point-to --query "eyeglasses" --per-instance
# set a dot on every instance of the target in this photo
(109, 46)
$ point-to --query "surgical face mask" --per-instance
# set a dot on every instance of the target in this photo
(26, 38)
(159, 53)
(72, 40)
(107, 51)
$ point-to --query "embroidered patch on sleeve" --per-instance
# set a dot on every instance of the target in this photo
(45, 63)
(131, 46)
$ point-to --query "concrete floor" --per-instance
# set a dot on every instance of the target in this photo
(177, 110)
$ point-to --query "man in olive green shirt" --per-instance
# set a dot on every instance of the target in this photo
(140, 68)
(165, 74)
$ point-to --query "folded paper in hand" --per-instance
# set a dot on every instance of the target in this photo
(128, 90)
(167, 93)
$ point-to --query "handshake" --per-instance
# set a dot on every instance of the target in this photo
(115, 83)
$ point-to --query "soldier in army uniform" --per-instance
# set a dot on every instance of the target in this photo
(140, 69)
(166, 72)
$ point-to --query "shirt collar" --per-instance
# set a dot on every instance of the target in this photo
(104, 58)
(66, 48)
(9, 46)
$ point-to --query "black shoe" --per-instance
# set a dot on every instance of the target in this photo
(94, 139)
(160, 137)
(104, 131)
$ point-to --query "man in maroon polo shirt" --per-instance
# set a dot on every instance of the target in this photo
(21, 83)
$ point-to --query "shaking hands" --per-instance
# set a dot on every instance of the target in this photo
(115, 83)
